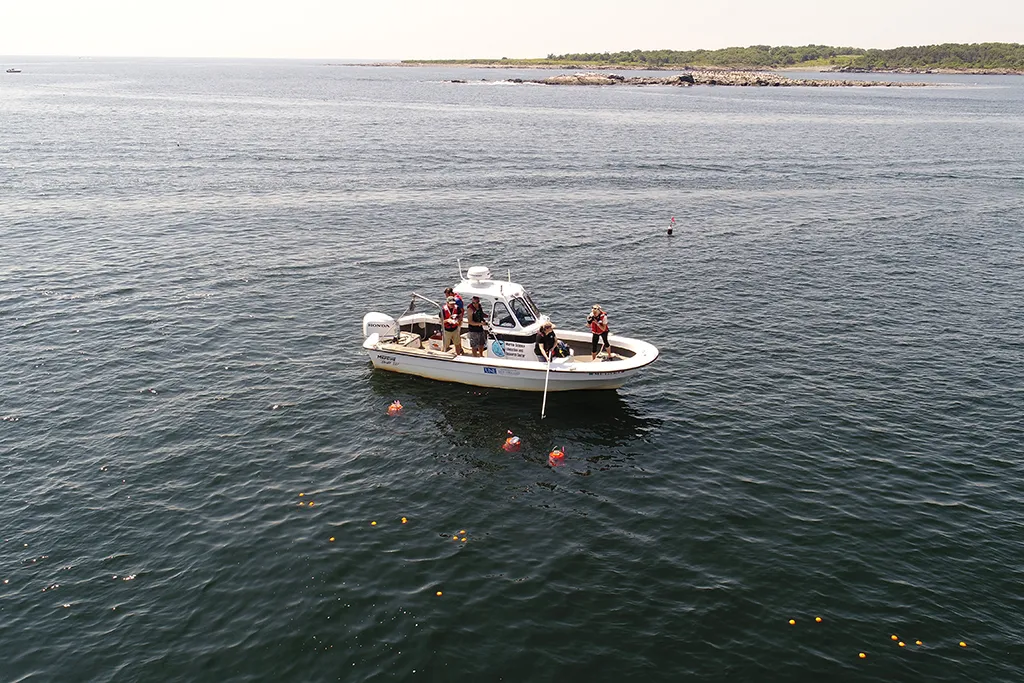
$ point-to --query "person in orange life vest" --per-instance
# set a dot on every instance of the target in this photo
(598, 320)
(458, 301)
(451, 322)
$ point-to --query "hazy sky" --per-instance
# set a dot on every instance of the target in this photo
(409, 29)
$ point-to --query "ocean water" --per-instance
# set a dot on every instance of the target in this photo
(199, 482)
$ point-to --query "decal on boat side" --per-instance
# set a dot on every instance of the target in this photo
(387, 360)
(514, 350)
(504, 372)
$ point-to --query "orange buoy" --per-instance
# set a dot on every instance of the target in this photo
(556, 458)
(862, 655)
(792, 622)
(894, 637)
(395, 408)
(817, 619)
(512, 443)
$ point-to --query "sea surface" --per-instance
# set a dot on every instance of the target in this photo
(199, 480)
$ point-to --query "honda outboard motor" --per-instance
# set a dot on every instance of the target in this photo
(380, 324)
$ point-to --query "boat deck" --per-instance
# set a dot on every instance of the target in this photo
(410, 341)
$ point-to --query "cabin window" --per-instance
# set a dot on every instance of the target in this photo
(501, 317)
(523, 312)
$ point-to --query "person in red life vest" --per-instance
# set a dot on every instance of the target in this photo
(458, 301)
(451, 322)
(598, 320)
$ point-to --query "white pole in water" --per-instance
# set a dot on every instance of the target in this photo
(544, 403)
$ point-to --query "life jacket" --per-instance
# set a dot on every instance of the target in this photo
(599, 324)
(450, 317)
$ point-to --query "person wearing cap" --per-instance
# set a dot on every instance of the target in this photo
(598, 321)
(451, 324)
(458, 301)
(477, 337)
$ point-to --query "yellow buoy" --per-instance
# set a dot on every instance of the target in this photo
(817, 619)
(312, 503)
(918, 642)
(455, 538)
(439, 593)
(862, 655)
(404, 520)
(463, 540)
(792, 622)
(894, 637)
(901, 644)
(463, 532)
(301, 495)
(963, 644)
(373, 523)
(332, 539)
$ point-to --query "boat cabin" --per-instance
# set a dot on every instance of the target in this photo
(513, 316)
(510, 309)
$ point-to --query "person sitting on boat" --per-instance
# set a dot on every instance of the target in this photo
(598, 321)
(477, 336)
(451, 322)
(548, 346)
(545, 342)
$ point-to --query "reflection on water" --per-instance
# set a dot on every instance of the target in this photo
(582, 421)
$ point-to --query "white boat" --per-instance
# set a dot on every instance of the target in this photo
(412, 344)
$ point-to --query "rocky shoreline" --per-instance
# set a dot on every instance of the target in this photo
(709, 77)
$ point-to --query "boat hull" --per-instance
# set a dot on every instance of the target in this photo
(519, 375)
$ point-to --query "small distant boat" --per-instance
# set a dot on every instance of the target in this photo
(14, 71)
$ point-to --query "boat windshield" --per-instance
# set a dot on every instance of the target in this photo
(533, 306)
(522, 311)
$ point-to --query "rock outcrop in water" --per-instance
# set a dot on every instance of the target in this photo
(711, 77)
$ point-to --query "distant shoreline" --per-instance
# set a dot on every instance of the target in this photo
(511, 64)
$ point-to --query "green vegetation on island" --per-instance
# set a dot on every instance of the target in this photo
(948, 56)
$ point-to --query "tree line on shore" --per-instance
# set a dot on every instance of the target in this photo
(1008, 56)
(987, 56)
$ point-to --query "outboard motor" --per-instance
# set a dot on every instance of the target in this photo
(380, 324)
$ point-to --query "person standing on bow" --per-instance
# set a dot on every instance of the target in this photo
(451, 323)
(477, 336)
(598, 321)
